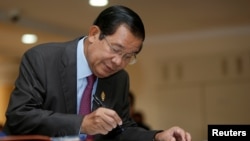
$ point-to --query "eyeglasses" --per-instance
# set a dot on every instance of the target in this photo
(129, 58)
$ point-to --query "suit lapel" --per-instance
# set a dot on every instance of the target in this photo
(68, 76)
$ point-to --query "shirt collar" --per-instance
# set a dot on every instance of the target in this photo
(83, 69)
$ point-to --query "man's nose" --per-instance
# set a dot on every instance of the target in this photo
(117, 59)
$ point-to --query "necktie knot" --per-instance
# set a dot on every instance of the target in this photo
(91, 79)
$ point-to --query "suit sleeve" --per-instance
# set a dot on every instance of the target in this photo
(26, 113)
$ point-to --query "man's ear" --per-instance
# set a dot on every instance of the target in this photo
(94, 33)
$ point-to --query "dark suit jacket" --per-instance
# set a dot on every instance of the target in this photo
(44, 99)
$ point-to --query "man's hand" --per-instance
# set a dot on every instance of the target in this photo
(101, 121)
(173, 134)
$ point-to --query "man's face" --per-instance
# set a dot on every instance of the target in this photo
(111, 54)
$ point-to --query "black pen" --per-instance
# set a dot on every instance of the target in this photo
(100, 104)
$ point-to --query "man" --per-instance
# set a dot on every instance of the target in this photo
(48, 91)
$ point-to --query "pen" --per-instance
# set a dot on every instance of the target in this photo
(100, 104)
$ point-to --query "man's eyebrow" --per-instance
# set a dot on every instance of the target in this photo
(123, 47)
(118, 45)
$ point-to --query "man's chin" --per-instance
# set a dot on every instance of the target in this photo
(104, 74)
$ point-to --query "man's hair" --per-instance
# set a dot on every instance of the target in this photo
(111, 18)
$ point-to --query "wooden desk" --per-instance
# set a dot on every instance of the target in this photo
(25, 138)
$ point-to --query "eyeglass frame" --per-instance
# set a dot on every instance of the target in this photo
(131, 59)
